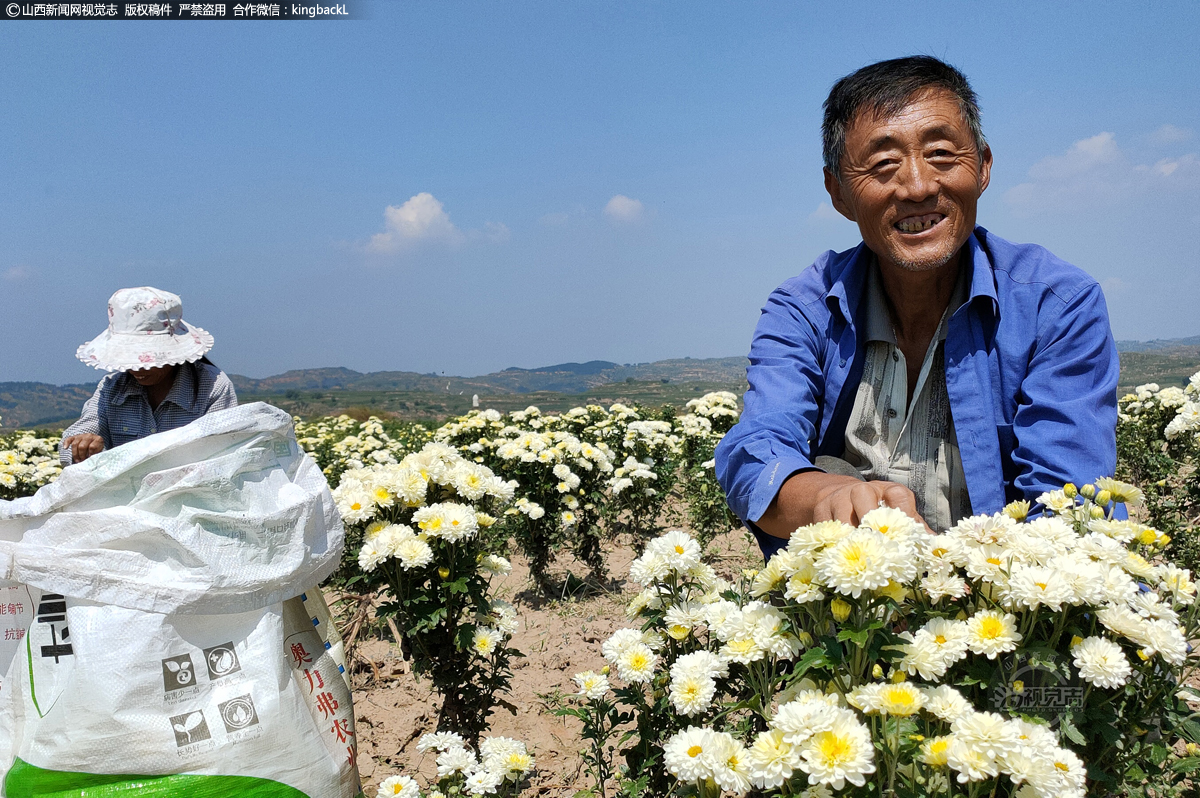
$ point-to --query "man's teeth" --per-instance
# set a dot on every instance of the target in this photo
(917, 225)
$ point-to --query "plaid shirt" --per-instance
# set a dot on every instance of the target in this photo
(119, 412)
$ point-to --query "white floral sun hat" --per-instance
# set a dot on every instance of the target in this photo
(145, 330)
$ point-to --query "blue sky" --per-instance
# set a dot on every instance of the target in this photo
(466, 186)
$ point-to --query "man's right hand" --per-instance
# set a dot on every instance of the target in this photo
(813, 496)
(83, 446)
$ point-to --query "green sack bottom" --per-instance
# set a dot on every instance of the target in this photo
(29, 781)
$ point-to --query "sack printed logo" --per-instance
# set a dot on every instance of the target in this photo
(52, 611)
(178, 673)
(238, 713)
(189, 728)
(221, 660)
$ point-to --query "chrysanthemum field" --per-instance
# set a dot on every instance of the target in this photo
(560, 604)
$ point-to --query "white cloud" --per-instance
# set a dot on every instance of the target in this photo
(493, 232)
(421, 218)
(623, 209)
(16, 273)
(1170, 134)
(1097, 172)
(825, 213)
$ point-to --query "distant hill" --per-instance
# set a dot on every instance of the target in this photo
(27, 404)
(329, 390)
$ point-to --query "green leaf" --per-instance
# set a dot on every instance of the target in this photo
(1073, 734)
(1189, 764)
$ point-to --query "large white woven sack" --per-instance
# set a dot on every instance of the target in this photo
(156, 639)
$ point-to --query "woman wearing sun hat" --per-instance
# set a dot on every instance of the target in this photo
(161, 379)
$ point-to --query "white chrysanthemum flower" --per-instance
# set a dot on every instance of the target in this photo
(942, 583)
(814, 537)
(412, 552)
(1035, 586)
(680, 551)
(934, 751)
(483, 781)
(495, 564)
(989, 562)
(440, 741)
(988, 733)
(1123, 621)
(934, 648)
(991, 633)
(771, 577)
(495, 748)
(620, 641)
(842, 753)
(636, 664)
(971, 763)
(1101, 662)
(455, 760)
(370, 555)
(1056, 501)
(805, 715)
(772, 760)
(355, 505)
(729, 763)
(1123, 492)
(982, 530)
(863, 560)
(1150, 605)
(680, 619)
(592, 685)
(650, 568)
(803, 585)
(692, 693)
(1167, 640)
(1118, 530)
(684, 757)
(1179, 582)
(945, 703)
(485, 640)
(398, 787)
(503, 617)
(893, 524)
(704, 663)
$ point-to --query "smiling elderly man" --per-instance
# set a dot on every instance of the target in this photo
(935, 368)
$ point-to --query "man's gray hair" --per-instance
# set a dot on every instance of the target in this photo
(884, 89)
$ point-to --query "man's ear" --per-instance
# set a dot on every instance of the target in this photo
(834, 187)
(985, 168)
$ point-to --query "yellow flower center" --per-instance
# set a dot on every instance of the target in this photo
(356, 506)
(1040, 585)
(833, 749)
(941, 640)
(679, 549)
(695, 751)
(991, 628)
(993, 560)
(1062, 766)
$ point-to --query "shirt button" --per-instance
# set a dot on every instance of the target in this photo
(895, 356)
(891, 412)
(842, 363)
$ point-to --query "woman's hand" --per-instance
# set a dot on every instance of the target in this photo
(83, 446)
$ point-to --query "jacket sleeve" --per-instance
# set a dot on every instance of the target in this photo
(776, 433)
(223, 396)
(1066, 417)
(91, 421)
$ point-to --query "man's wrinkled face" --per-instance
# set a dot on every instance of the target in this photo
(912, 182)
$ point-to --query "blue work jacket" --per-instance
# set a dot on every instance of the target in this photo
(1031, 372)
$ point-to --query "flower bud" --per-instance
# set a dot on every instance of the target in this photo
(1192, 749)
(604, 671)
(1070, 490)
(1088, 491)
(1018, 686)
(1164, 540)
(444, 572)
(841, 610)
(877, 671)
(1097, 511)
(805, 638)
(1103, 498)
(1076, 640)
(1147, 537)
(898, 676)
(1142, 655)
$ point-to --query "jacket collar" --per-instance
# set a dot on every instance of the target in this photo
(847, 291)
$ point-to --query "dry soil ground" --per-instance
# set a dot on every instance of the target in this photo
(559, 636)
